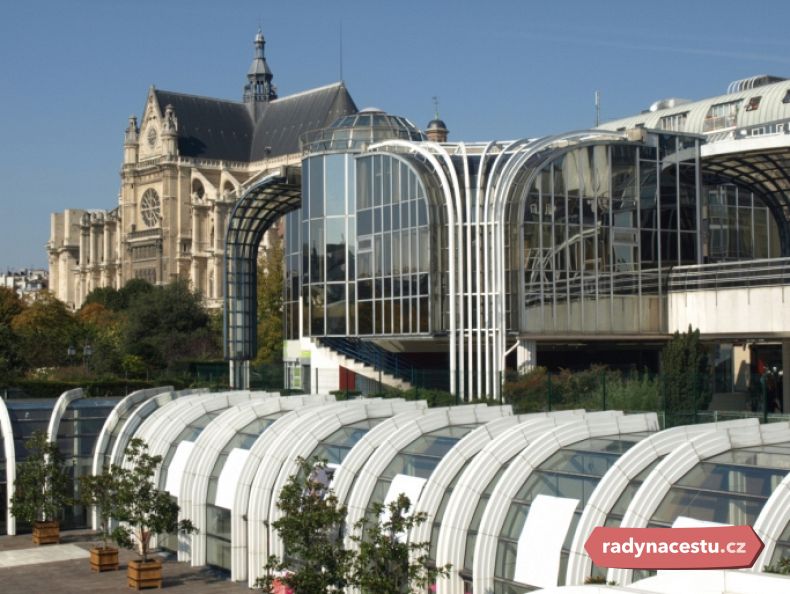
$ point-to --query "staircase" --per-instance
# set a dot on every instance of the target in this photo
(366, 360)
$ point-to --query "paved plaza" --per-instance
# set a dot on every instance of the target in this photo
(29, 569)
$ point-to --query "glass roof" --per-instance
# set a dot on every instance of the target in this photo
(729, 488)
(335, 447)
(353, 132)
(419, 458)
(571, 472)
(242, 440)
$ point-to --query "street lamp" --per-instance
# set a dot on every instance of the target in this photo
(71, 352)
(87, 351)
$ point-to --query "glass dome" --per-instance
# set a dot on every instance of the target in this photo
(354, 132)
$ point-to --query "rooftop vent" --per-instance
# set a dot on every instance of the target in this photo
(667, 103)
(753, 82)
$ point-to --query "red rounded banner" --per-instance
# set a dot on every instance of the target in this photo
(719, 547)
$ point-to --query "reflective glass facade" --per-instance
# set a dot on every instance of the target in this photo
(600, 224)
(359, 250)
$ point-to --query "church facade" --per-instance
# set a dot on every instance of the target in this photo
(185, 163)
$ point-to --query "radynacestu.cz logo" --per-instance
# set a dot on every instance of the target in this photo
(719, 547)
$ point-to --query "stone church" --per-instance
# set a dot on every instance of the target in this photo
(185, 163)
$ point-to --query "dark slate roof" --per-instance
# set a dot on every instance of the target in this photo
(284, 120)
(209, 128)
(218, 129)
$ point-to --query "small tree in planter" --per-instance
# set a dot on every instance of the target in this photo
(386, 563)
(41, 489)
(102, 491)
(146, 511)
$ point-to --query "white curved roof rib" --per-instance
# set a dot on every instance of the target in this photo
(207, 448)
(344, 477)
(675, 465)
(177, 416)
(279, 465)
(61, 404)
(522, 467)
(464, 452)
(772, 521)
(435, 419)
(7, 432)
(136, 418)
(284, 426)
(617, 479)
(116, 416)
(461, 506)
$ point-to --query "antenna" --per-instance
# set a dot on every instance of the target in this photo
(341, 51)
(597, 108)
(435, 107)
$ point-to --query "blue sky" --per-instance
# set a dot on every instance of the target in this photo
(72, 72)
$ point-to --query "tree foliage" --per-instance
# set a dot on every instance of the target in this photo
(44, 330)
(103, 491)
(145, 509)
(317, 561)
(685, 369)
(270, 303)
(42, 484)
(386, 562)
(311, 530)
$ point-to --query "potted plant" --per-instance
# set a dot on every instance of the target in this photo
(101, 491)
(145, 511)
(41, 489)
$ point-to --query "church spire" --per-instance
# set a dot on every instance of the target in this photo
(259, 88)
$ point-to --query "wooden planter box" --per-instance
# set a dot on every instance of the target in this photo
(46, 532)
(144, 574)
(104, 559)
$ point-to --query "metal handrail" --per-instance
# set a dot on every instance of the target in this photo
(743, 273)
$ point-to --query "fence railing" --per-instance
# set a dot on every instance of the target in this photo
(729, 275)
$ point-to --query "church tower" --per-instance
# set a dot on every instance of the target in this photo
(259, 89)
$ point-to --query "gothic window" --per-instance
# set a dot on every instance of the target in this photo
(150, 208)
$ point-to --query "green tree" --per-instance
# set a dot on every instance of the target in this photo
(11, 362)
(168, 324)
(270, 303)
(42, 485)
(108, 297)
(685, 372)
(311, 530)
(145, 509)
(45, 330)
(103, 492)
(386, 563)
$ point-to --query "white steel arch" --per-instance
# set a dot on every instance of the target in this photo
(208, 446)
(495, 454)
(284, 426)
(119, 412)
(164, 426)
(616, 480)
(10, 464)
(520, 470)
(449, 466)
(272, 476)
(345, 476)
(136, 418)
(433, 420)
(680, 461)
(771, 522)
(61, 404)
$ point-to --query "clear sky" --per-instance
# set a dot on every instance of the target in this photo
(71, 72)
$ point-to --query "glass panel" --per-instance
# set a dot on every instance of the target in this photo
(335, 184)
